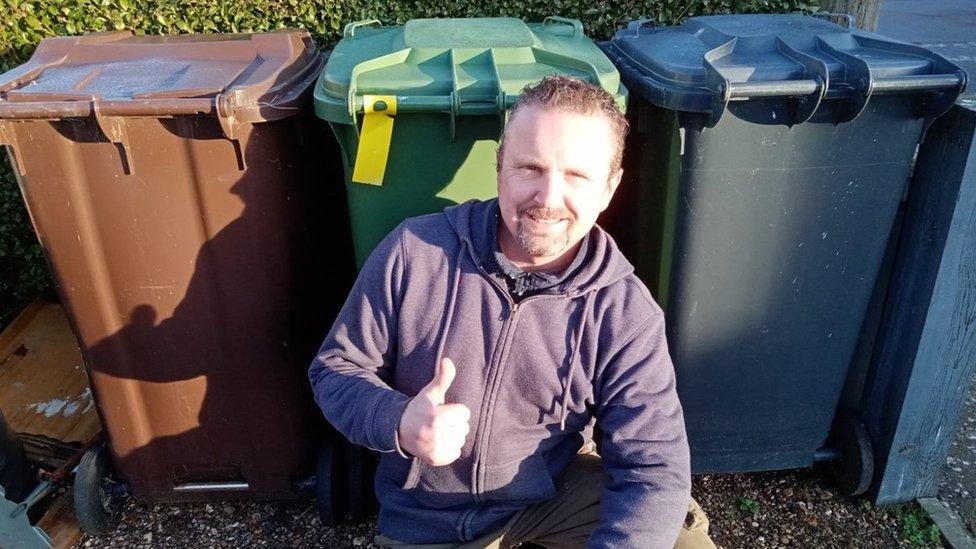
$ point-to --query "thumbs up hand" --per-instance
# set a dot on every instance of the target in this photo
(430, 429)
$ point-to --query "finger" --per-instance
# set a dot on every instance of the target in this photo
(445, 458)
(443, 377)
(459, 432)
(451, 437)
(451, 414)
(454, 443)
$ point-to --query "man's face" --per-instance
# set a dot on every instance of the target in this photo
(553, 182)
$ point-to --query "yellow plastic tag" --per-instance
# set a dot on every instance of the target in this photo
(374, 139)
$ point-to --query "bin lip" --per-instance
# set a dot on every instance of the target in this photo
(243, 77)
(702, 64)
(554, 45)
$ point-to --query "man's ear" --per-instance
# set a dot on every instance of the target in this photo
(612, 185)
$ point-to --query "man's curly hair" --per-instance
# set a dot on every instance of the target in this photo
(577, 96)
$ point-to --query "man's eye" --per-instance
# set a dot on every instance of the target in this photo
(529, 169)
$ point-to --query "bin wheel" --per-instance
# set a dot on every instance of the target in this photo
(853, 472)
(358, 476)
(328, 505)
(92, 503)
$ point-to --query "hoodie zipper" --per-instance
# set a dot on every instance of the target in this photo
(488, 402)
(494, 381)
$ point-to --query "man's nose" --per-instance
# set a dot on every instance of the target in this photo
(549, 192)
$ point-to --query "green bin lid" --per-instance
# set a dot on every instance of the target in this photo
(459, 66)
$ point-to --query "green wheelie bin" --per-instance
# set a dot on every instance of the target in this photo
(418, 109)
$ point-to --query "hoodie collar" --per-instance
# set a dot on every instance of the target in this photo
(602, 263)
(494, 261)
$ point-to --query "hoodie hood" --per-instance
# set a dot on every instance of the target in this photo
(606, 263)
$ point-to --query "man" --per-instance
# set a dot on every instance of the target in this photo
(479, 346)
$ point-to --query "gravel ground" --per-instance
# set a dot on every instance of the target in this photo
(291, 524)
(797, 509)
(782, 509)
(958, 487)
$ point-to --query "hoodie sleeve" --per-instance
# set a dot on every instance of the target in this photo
(350, 373)
(645, 447)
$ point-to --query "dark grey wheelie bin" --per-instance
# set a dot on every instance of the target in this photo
(767, 161)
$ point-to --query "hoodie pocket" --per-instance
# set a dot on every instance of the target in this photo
(438, 487)
(522, 480)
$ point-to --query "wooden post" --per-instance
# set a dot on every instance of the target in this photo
(865, 12)
(926, 350)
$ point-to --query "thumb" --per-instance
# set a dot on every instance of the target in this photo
(443, 377)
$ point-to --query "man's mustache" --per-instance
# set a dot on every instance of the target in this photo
(540, 212)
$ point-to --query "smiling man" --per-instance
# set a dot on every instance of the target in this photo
(480, 346)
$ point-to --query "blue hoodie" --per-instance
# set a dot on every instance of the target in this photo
(536, 376)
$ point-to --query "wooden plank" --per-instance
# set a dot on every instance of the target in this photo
(953, 530)
(44, 391)
(60, 524)
(926, 350)
(18, 325)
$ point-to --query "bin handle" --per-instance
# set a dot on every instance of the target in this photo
(897, 84)
(643, 22)
(56, 110)
(576, 24)
(349, 31)
(836, 18)
(453, 103)
(110, 116)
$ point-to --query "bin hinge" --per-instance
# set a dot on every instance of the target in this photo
(113, 127)
(231, 126)
(8, 137)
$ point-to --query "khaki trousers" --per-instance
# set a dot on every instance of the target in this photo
(566, 520)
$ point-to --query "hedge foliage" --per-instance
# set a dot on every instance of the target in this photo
(23, 273)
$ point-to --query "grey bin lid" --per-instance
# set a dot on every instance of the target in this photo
(702, 64)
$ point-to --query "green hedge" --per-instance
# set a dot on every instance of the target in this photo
(23, 273)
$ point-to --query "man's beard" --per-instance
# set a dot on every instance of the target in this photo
(542, 245)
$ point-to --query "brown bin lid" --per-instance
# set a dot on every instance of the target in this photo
(249, 77)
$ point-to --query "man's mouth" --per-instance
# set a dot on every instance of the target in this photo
(545, 225)
(544, 219)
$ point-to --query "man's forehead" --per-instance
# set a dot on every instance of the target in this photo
(549, 128)
(530, 115)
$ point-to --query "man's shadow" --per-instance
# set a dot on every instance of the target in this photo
(216, 390)
(211, 387)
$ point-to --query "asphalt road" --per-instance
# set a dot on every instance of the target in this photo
(947, 27)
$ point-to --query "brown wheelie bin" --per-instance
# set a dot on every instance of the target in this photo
(171, 184)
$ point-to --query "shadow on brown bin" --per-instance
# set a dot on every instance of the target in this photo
(213, 401)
